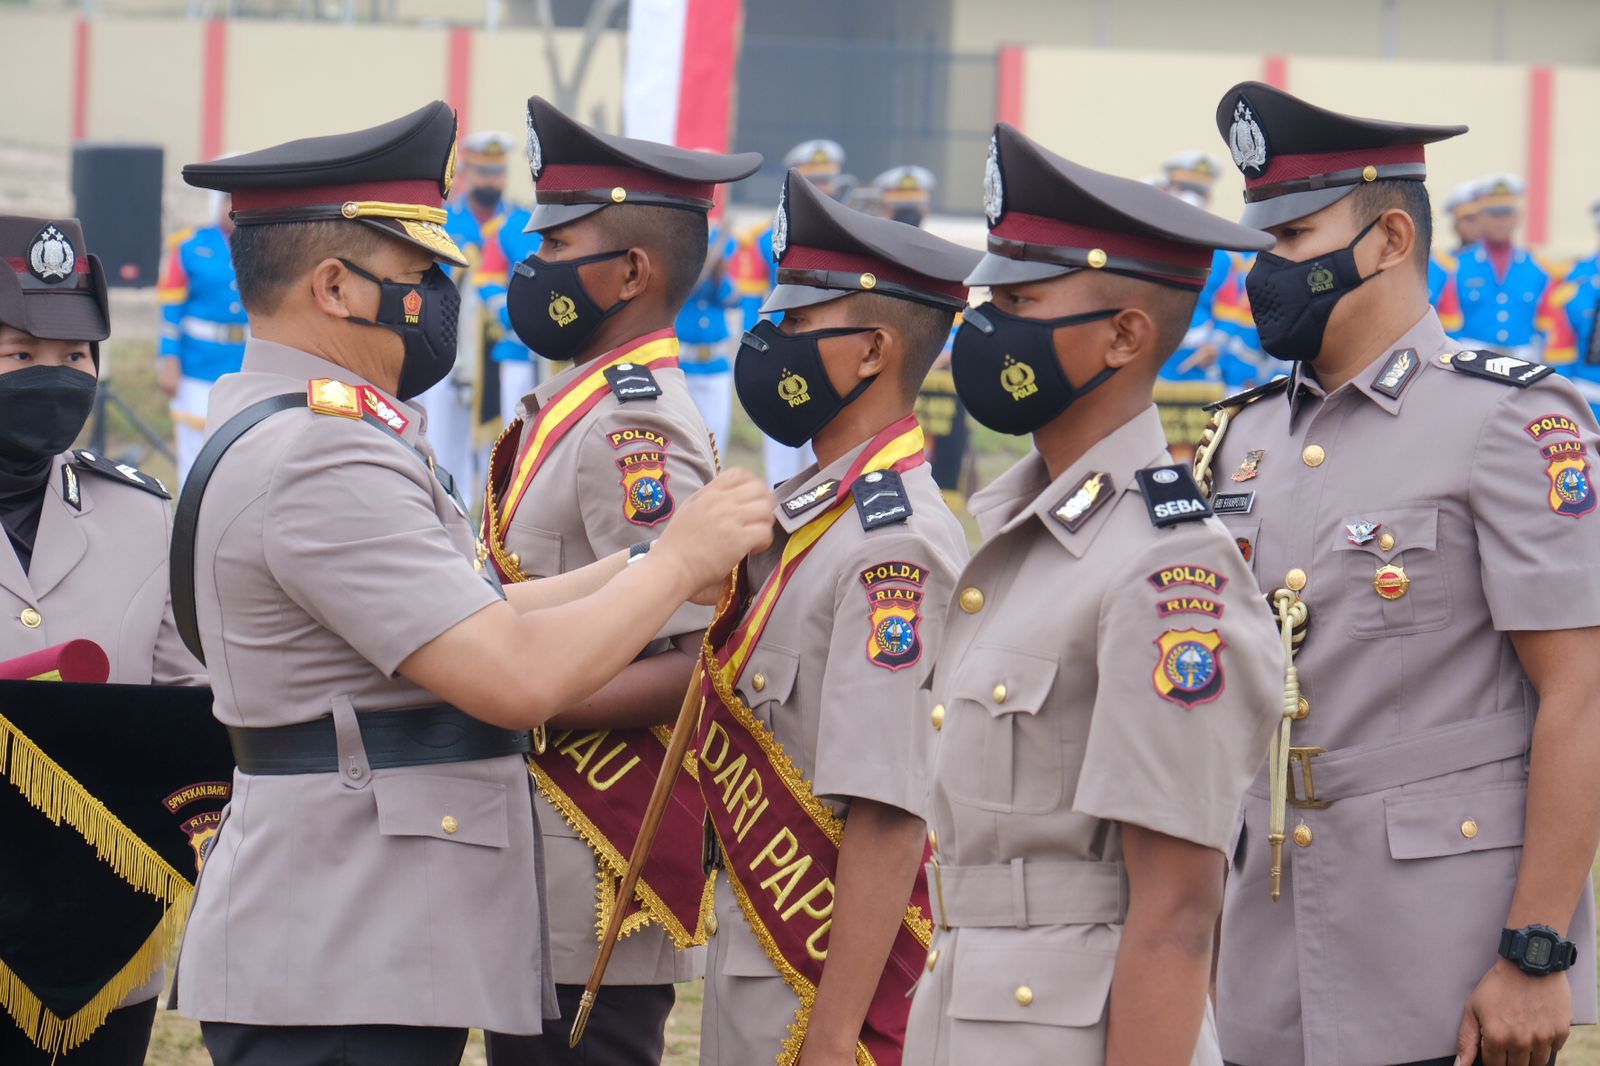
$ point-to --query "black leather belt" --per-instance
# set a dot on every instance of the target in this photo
(413, 736)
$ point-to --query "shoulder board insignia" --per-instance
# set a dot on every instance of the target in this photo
(1396, 372)
(381, 409)
(812, 497)
(1172, 495)
(629, 381)
(1249, 396)
(328, 396)
(1086, 497)
(122, 472)
(1506, 369)
(880, 499)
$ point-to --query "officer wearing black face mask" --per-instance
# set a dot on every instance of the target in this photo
(384, 892)
(1422, 519)
(84, 557)
(1099, 643)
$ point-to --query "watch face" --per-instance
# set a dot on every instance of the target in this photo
(1538, 951)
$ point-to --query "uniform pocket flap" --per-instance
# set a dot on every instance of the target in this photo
(769, 675)
(446, 808)
(538, 550)
(1004, 680)
(1059, 987)
(1410, 527)
(1456, 822)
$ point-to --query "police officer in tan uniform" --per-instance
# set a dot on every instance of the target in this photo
(1109, 677)
(830, 649)
(1422, 520)
(86, 538)
(373, 890)
(597, 462)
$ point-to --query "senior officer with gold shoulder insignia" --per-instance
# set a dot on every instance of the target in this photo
(598, 461)
(1109, 676)
(374, 889)
(1412, 872)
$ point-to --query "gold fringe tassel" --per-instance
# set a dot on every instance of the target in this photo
(60, 798)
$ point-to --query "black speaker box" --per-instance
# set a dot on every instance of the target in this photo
(117, 192)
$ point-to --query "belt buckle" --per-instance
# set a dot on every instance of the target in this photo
(1302, 757)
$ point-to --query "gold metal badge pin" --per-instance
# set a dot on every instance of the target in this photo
(1391, 582)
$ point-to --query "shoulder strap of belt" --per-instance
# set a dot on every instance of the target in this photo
(185, 522)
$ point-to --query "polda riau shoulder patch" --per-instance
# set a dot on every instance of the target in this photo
(1189, 666)
(646, 500)
(127, 475)
(630, 381)
(880, 499)
(1172, 495)
(894, 611)
(1506, 369)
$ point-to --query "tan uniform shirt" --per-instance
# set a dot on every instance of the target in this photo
(326, 553)
(850, 724)
(1391, 913)
(575, 512)
(99, 572)
(1096, 670)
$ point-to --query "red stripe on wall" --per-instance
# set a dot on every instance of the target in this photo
(213, 87)
(458, 75)
(712, 30)
(1541, 103)
(1008, 85)
(1276, 72)
(80, 81)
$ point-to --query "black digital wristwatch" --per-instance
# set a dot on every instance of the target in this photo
(1537, 949)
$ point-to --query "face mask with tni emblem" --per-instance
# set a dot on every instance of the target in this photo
(1006, 371)
(783, 385)
(550, 310)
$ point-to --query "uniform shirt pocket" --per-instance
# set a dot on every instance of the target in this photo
(538, 550)
(445, 808)
(1040, 1004)
(1011, 746)
(768, 679)
(1456, 821)
(1395, 590)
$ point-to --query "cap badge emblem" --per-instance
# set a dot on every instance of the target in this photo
(1246, 141)
(52, 257)
(1018, 379)
(780, 224)
(535, 150)
(1320, 279)
(993, 184)
(793, 389)
(562, 310)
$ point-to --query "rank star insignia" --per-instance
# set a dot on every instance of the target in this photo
(1362, 532)
(1189, 666)
(1248, 468)
(1246, 142)
(645, 499)
(52, 257)
(1086, 498)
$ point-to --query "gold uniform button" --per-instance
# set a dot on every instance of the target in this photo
(1024, 996)
(516, 561)
(1302, 709)
(938, 716)
(1097, 258)
(869, 281)
(971, 600)
(1313, 455)
(31, 618)
(1295, 579)
(933, 958)
(1386, 542)
(711, 925)
(1369, 173)
(759, 682)
(618, 194)
(1469, 828)
(1302, 835)
(999, 693)
(449, 825)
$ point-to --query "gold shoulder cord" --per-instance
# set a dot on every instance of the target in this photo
(1210, 441)
(1292, 615)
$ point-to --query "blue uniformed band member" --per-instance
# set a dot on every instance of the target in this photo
(1108, 677)
(1411, 874)
(374, 891)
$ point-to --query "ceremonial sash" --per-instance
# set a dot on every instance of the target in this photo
(600, 779)
(781, 843)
